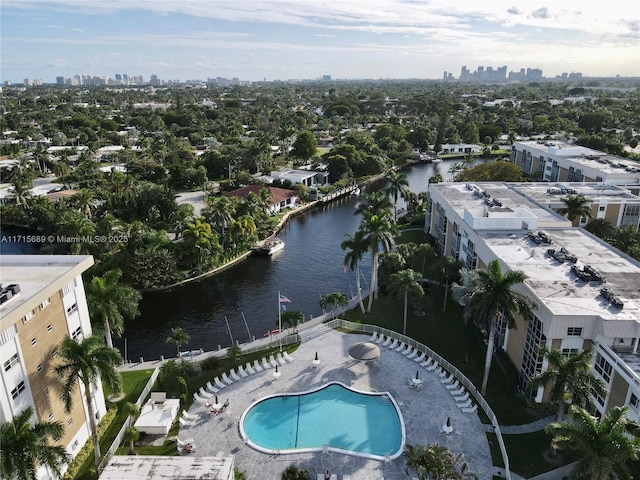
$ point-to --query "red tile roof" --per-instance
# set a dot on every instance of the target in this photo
(277, 194)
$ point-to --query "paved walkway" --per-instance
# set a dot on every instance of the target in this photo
(526, 428)
(423, 411)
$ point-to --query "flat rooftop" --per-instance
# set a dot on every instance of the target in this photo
(588, 157)
(463, 196)
(546, 193)
(39, 276)
(189, 467)
(557, 287)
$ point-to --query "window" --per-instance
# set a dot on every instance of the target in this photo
(569, 352)
(603, 368)
(45, 304)
(602, 209)
(574, 331)
(50, 417)
(39, 368)
(34, 341)
(634, 402)
(11, 362)
(46, 391)
(49, 328)
(72, 308)
(28, 316)
(76, 333)
(18, 390)
(70, 422)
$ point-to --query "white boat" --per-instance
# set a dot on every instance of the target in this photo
(356, 191)
(271, 247)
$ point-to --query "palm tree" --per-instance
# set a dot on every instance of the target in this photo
(436, 462)
(571, 379)
(448, 267)
(575, 207)
(220, 211)
(132, 434)
(85, 201)
(291, 318)
(335, 299)
(26, 446)
(111, 301)
(178, 337)
(87, 362)
(376, 203)
(233, 352)
(356, 245)
(626, 239)
(604, 447)
(406, 282)
(379, 232)
(601, 228)
(489, 295)
(199, 240)
(397, 183)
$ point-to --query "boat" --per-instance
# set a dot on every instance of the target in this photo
(356, 191)
(272, 332)
(271, 247)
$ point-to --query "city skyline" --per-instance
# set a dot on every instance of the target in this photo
(280, 40)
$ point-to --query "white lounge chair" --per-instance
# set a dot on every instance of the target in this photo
(442, 372)
(249, 369)
(466, 404)
(407, 350)
(401, 346)
(420, 358)
(454, 386)
(433, 366)
(204, 394)
(226, 379)
(272, 361)
(281, 359)
(199, 399)
(386, 342)
(428, 362)
(219, 383)
(460, 390)
(186, 423)
(256, 366)
(265, 364)
(241, 372)
(393, 344)
(182, 443)
(187, 416)
(288, 357)
(234, 375)
(462, 398)
(374, 337)
(211, 388)
(411, 355)
(472, 409)
(447, 380)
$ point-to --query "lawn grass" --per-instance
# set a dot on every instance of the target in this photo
(527, 454)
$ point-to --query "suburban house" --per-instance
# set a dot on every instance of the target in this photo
(281, 198)
(306, 177)
(459, 148)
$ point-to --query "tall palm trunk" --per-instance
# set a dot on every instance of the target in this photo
(489, 356)
(359, 288)
(406, 298)
(107, 332)
(92, 423)
(374, 281)
(446, 292)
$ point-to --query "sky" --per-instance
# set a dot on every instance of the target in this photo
(305, 39)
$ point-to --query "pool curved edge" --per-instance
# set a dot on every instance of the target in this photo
(270, 451)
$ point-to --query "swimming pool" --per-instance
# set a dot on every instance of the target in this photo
(346, 420)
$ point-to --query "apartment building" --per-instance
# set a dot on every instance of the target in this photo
(42, 301)
(555, 161)
(586, 291)
(616, 205)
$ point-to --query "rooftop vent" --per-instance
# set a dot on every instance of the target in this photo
(6, 293)
(610, 296)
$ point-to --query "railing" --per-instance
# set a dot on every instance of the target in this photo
(365, 328)
(288, 340)
(119, 437)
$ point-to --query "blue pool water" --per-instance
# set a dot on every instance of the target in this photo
(336, 416)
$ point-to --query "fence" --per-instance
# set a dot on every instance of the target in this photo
(462, 379)
(118, 440)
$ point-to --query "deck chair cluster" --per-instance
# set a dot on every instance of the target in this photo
(459, 392)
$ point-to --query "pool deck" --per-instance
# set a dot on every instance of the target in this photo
(424, 411)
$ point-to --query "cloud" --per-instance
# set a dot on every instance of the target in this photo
(515, 11)
(633, 25)
(542, 12)
(79, 30)
(324, 35)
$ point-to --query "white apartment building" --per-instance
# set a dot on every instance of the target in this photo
(43, 301)
(555, 161)
(478, 223)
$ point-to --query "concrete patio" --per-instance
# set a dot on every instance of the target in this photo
(424, 411)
